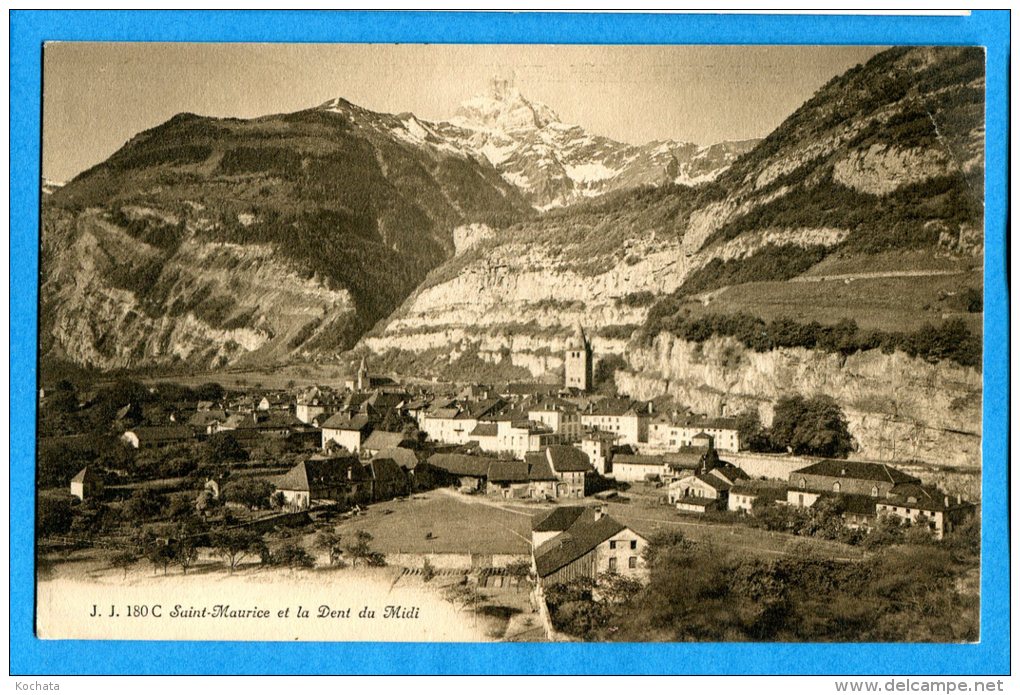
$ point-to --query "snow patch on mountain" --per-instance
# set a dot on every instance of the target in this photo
(551, 162)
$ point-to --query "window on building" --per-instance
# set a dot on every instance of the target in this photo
(612, 564)
(632, 562)
(802, 483)
(633, 545)
(835, 486)
(874, 491)
(612, 545)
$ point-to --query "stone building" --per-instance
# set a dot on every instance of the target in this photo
(577, 363)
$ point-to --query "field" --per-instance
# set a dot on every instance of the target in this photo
(458, 524)
(887, 302)
(472, 524)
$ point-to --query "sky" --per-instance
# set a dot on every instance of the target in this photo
(96, 96)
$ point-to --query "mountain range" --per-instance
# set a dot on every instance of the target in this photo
(555, 164)
(840, 256)
(220, 241)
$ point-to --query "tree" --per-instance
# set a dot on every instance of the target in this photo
(604, 375)
(251, 492)
(181, 506)
(53, 516)
(185, 553)
(293, 556)
(750, 431)
(223, 447)
(57, 463)
(209, 392)
(159, 552)
(360, 550)
(331, 543)
(665, 542)
(233, 545)
(616, 589)
(185, 537)
(205, 502)
(814, 427)
(520, 569)
(143, 505)
(123, 560)
(428, 572)
(63, 401)
(465, 596)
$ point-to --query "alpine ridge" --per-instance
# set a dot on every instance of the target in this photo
(861, 213)
(339, 211)
(556, 164)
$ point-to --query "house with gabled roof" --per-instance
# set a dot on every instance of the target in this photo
(625, 418)
(325, 480)
(926, 506)
(846, 477)
(314, 402)
(598, 446)
(379, 440)
(470, 471)
(557, 521)
(206, 421)
(699, 493)
(745, 493)
(405, 458)
(452, 422)
(638, 467)
(389, 480)
(589, 544)
(87, 484)
(572, 469)
(347, 431)
(486, 436)
(508, 479)
(668, 432)
(155, 437)
(560, 415)
(540, 476)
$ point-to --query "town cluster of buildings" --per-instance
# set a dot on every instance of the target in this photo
(377, 438)
(862, 490)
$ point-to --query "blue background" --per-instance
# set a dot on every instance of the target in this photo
(29, 655)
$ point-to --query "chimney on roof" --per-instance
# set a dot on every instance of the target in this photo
(959, 499)
(600, 511)
(350, 472)
(651, 408)
(947, 500)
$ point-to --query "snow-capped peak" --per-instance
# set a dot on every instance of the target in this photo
(503, 108)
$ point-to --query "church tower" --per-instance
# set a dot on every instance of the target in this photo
(578, 362)
(362, 376)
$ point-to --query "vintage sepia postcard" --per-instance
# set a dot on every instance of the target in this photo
(456, 343)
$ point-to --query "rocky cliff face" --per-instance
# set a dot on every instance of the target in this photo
(899, 408)
(884, 159)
